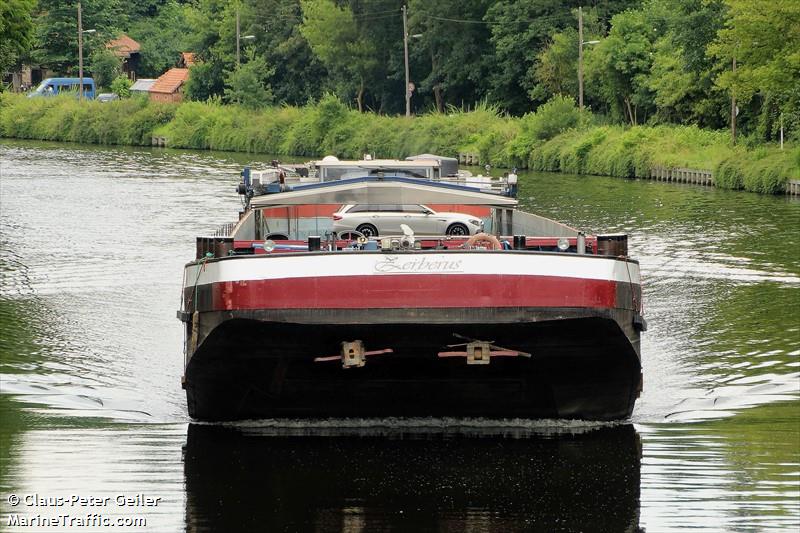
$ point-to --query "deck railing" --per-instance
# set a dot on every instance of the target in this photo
(225, 230)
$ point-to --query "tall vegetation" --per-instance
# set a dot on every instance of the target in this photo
(556, 137)
(647, 62)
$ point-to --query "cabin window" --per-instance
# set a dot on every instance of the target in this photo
(362, 208)
(413, 209)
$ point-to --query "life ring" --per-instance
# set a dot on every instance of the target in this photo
(484, 238)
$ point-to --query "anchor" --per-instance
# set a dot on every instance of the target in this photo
(352, 355)
(480, 352)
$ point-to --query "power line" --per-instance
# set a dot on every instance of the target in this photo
(367, 14)
(544, 18)
(361, 17)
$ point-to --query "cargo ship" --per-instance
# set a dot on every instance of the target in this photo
(284, 318)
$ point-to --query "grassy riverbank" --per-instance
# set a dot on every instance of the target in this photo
(555, 138)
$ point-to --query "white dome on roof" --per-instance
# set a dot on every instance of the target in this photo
(330, 159)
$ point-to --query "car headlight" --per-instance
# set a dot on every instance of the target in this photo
(475, 222)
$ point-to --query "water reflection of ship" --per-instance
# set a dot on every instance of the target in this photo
(249, 481)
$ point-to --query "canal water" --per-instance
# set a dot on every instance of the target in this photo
(93, 422)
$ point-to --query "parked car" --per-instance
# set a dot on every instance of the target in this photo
(376, 220)
(107, 97)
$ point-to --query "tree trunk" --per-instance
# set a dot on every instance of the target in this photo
(360, 97)
(437, 88)
(631, 117)
(437, 94)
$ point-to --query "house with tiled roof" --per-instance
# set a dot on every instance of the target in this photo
(187, 59)
(169, 86)
(128, 51)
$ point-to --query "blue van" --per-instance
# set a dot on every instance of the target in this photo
(53, 86)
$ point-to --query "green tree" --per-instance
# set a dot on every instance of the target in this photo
(247, 85)
(213, 39)
(681, 76)
(205, 80)
(104, 67)
(162, 35)
(519, 30)
(556, 70)
(556, 66)
(334, 38)
(121, 86)
(143, 9)
(618, 67)
(764, 38)
(16, 31)
(56, 43)
(299, 76)
(380, 24)
(450, 57)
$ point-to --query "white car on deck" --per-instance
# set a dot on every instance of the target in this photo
(377, 220)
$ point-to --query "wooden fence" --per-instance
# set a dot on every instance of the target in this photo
(682, 175)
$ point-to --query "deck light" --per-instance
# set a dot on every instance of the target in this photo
(563, 244)
(269, 245)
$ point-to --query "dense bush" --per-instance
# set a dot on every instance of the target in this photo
(555, 138)
(63, 118)
(104, 66)
(764, 170)
(121, 86)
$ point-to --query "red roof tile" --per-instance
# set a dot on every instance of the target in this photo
(188, 58)
(123, 46)
(170, 81)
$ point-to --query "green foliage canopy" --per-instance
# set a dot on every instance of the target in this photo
(246, 85)
(104, 67)
(163, 36)
(332, 33)
(121, 86)
(764, 38)
(16, 30)
(56, 44)
(658, 61)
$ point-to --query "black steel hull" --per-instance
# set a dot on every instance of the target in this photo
(585, 364)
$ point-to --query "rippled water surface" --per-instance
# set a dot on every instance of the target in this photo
(92, 243)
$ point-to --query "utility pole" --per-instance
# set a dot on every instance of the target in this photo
(237, 37)
(405, 56)
(80, 54)
(733, 104)
(580, 58)
(581, 42)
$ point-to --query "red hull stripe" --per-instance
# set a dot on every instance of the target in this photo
(420, 291)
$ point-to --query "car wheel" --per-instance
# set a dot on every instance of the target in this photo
(368, 230)
(457, 229)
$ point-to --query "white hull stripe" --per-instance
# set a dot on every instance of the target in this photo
(378, 264)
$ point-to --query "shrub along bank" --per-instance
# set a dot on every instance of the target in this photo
(554, 138)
